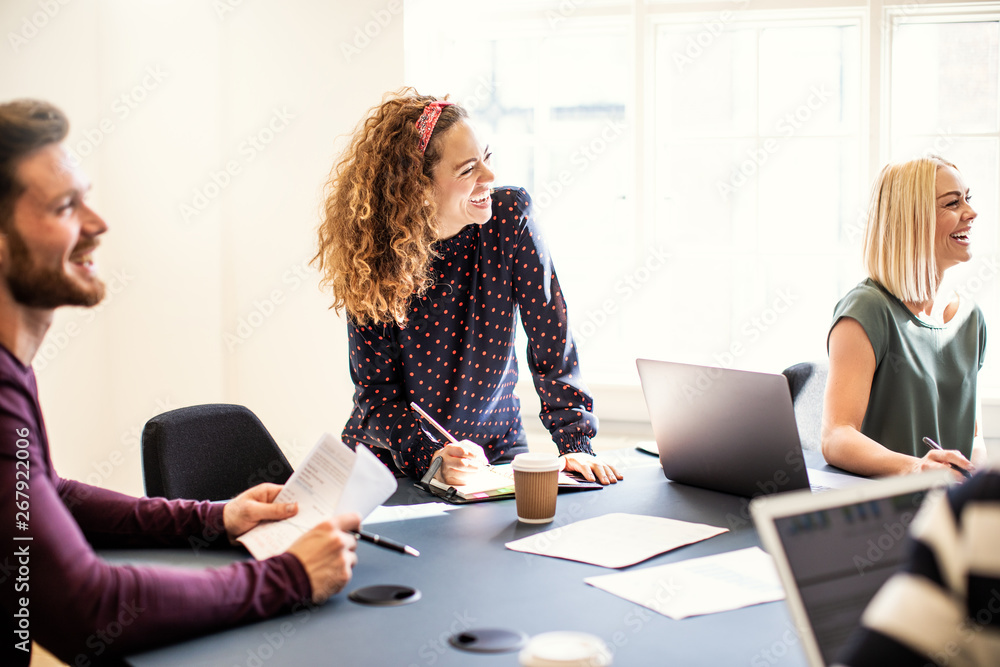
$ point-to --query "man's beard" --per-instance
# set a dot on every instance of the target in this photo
(43, 287)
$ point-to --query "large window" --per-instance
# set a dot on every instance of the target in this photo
(702, 169)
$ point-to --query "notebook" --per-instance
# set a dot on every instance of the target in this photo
(491, 483)
(728, 430)
(834, 550)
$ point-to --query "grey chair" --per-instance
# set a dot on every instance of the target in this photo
(209, 452)
(807, 384)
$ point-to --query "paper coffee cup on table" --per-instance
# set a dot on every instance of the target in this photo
(536, 484)
(565, 649)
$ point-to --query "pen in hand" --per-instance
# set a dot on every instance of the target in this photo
(451, 439)
(933, 445)
(384, 542)
(433, 422)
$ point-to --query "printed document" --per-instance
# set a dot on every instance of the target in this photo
(699, 585)
(331, 480)
(615, 540)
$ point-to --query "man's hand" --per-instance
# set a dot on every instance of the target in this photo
(253, 506)
(327, 554)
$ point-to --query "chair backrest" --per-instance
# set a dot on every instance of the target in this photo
(209, 452)
(807, 384)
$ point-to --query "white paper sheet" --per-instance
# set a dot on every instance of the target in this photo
(699, 585)
(331, 480)
(390, 513)
(615, 540)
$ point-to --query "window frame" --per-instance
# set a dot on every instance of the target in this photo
(622, 406)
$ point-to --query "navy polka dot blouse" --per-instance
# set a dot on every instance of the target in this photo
(456, 356)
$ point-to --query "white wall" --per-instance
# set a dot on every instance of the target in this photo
(200, 78)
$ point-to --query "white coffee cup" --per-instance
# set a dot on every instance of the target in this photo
(565, 649)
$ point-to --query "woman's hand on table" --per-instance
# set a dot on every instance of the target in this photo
(592, 468)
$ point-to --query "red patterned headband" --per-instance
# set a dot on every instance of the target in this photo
(428, 119)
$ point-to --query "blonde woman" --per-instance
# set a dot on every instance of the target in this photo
(904, 357)
(433, 265)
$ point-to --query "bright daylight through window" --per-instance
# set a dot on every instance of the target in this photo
(701, 170)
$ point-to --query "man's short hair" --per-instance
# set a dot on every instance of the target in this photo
(25, 127)
(899, 239)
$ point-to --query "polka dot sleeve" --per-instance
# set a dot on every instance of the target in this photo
(567, 408)
(381, 401)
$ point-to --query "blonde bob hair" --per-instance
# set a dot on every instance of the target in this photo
(899, 236)
(376, 241)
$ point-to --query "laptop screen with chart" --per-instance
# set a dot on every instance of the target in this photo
(834, 550)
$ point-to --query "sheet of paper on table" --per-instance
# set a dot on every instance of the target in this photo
(390, 513)
(697, 586)
(615, 540)
(331, 480)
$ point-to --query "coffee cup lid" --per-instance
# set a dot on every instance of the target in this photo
(565, 649)
(537, 462)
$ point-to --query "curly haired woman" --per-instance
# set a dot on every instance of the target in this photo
(432, 266)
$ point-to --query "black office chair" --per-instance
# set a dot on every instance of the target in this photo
(807, 384)
(209, 452)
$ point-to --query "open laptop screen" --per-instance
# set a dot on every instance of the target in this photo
(835, 550)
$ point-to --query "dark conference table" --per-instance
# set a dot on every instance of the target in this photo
(468, 579)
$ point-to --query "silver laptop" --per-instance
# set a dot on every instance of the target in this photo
(834, 550)
(728, 430)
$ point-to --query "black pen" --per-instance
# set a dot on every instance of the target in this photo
(933, 445)
(380, 541)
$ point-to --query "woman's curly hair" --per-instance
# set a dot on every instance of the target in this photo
(378, 232)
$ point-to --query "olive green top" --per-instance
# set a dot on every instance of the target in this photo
(925, 374)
